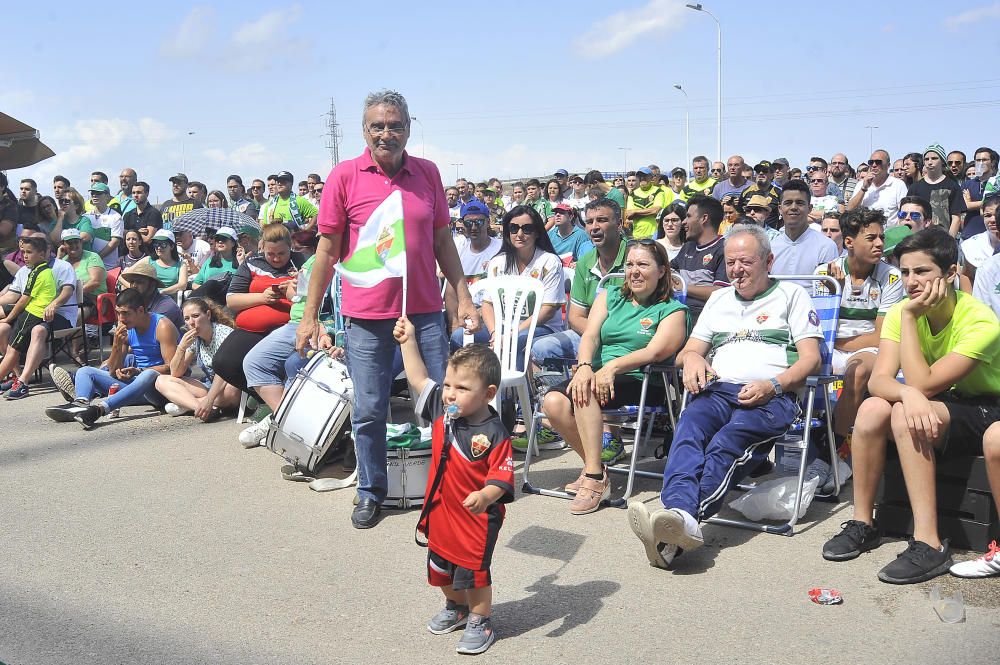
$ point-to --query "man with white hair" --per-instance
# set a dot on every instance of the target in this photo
(763, 337)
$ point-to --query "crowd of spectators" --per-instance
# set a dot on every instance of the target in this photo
(203, 317)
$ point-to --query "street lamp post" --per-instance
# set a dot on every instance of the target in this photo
(687, 127)
(625, 150)
(422, 144)
(184, 151)
(718, 132)
(456, 165)
(871, 143)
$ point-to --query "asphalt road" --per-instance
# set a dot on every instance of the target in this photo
(161, 540)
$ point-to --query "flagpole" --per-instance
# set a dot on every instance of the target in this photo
(405, 271)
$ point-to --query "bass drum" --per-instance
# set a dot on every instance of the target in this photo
(314, 414)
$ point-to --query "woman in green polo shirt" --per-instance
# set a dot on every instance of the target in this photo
(627, 329)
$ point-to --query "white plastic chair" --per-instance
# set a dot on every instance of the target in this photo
(514, 298)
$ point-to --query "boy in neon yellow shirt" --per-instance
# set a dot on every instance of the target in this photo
(947, 344)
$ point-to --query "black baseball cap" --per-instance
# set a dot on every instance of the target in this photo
(283, 176)
(180, 177)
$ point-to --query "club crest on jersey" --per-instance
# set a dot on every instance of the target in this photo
(873, 294)
(646, 322)
(534, 273)
(705, 260)
(480, 444)
(762, 317)
(813, 317)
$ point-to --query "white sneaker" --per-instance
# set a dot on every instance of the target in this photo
(175, 409)
(988, 565)
(252, 436)
(676, 527)
(659, 555)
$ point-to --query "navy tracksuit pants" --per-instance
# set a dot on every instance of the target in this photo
(717, 443)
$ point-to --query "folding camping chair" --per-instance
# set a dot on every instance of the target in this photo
(818, 413)
(640, 417)
(60, 340)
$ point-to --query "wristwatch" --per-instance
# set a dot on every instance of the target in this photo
(777, 387)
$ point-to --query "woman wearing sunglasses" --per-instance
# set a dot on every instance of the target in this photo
(526, 250)
(627, 329)
(171, 272)
(71, 215)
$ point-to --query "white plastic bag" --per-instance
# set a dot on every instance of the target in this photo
(775, 499)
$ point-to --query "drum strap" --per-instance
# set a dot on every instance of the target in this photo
(432, 495)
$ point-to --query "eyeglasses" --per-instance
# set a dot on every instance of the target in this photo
(816, 181)
(160, 244)
(912, 216)
(875, 162)
(958, 163)
(65, 202)
(527, 229)
(469, 223)
(810, 169)
(395, 129)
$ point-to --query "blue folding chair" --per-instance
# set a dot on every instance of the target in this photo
(818, 413)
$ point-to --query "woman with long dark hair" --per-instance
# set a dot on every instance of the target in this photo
(527, 250)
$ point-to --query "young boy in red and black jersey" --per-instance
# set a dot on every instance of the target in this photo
(463, 514)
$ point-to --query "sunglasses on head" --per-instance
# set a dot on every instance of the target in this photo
(528, 229)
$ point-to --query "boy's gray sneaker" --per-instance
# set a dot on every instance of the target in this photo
(478, 636)
(63, 381)
(452, 617)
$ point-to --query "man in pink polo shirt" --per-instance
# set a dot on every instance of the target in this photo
(353, 191)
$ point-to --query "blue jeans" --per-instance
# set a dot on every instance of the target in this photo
(563, 344)
(267, 362)
(717, 443)
(370, 348)
(92, 382)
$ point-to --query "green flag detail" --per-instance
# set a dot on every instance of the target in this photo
(380, 252)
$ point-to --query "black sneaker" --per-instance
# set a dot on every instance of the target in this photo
(66, 413)
(917, 563)
(855, 537)
(88, 415)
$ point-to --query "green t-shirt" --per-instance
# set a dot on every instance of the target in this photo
(207, 272)
(280, 209)
(301, 287)
(87, 261)
(972, 332)
(587, 276)
(167, 276)
(629, 328)
(617, 196)
(83, 225)
(654, 197)
(41, 286)
(542, 206)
